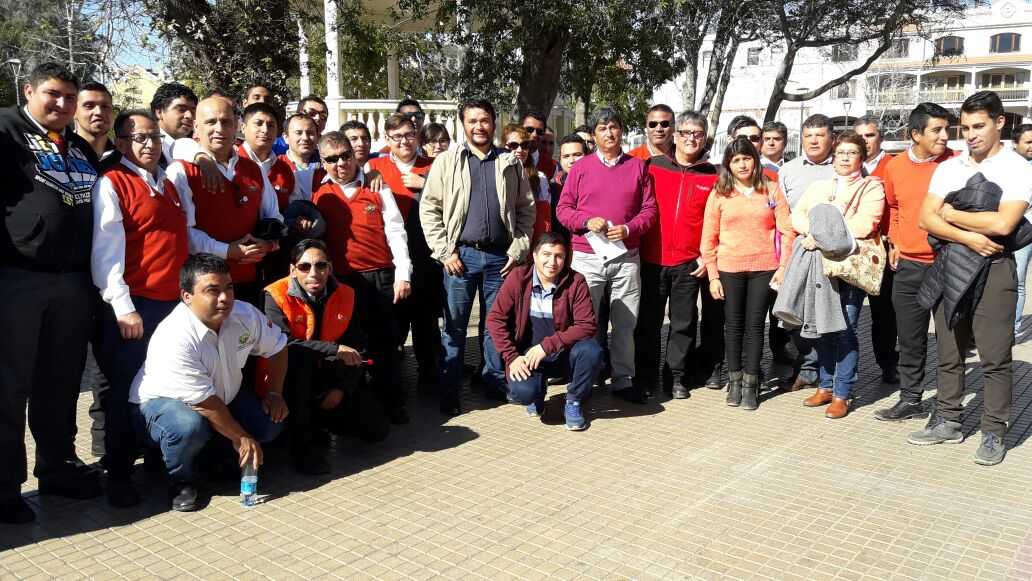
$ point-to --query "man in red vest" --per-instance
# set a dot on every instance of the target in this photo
(324, 390)
(139, 244)
(404, 172)
(222, 223)
(365, 237)
(261, 126)
(536, 124)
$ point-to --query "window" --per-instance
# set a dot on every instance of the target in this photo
(1005, 42)
(949, 46)
(900, 48)
(998, 80)
(753, 58)
(843, 53)
(846, 90)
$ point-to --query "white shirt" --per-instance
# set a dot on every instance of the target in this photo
(773, 165)
(108, 256)
(1006, 169)
(870, 166)
(393, 224)
(189, 362)
(200, 241)
(168, 145)
(544, 193)
(605, 161)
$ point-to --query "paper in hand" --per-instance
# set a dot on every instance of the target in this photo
(604, 247)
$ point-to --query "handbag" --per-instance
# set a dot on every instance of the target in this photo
(865, 267)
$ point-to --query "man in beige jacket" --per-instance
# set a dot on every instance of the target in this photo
(477, 212)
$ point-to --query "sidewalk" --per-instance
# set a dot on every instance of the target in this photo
(685, 489)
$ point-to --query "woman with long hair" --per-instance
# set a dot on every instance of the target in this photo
(744, 218)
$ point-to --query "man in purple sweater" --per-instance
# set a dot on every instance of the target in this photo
(610, 194)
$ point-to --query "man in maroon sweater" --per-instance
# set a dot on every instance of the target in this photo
(543, 324)
(670, 265)
(610, 194)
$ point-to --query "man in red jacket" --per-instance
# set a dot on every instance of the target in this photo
(670, 266)
(543, 325)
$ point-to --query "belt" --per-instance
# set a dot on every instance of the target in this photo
(482, 246)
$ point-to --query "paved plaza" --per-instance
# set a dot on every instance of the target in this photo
(676, 489)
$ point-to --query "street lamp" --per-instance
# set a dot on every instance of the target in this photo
(846, 106)
(16, 70)
(801, 104)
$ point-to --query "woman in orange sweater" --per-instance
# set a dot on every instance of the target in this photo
(743, 221)
(862, 201)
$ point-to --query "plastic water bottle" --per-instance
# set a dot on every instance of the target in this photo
(248, 486)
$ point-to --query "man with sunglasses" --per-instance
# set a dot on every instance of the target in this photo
(404, 172)
(659, 134)
(536, 124)
(366, 240)
(140, 242)
(671, 269)
(324, 360)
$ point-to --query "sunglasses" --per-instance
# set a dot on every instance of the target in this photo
(514, 145)
(753, 138)
(306, 267)
(313, 113)
(538, 130)
(142, 138)
(416, 115)
(332, 159)
(664, 124)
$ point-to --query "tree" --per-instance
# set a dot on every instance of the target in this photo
(802, 24)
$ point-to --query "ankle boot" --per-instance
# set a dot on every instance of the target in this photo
(734, 388)
(750, 391)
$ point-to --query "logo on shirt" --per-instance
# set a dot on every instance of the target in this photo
(72, 175)
(245, 338)
(370, 208)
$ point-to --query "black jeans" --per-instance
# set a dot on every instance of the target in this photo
(912, 327)
(659, 284)
(883, 324)
(374, 303)
(421, 311)
(746, 301)
(48, 318)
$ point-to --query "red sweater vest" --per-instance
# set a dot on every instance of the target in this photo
(405, 197)
(681, 195)
(281, 176)
(156, 243)
(355, 234)
(231, 215)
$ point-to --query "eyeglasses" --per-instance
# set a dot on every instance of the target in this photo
(403, 137)
(142, 138)
(442, 142)
(346, 156)
(315, 113)
(847, 154)
(415, 116)
(689, 134)
(664, 124)
(306, 267)
(538, 130)
(514, 145)
(752, 138)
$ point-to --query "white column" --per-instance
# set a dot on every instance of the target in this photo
(302, 59)
(332, 63)
(393, 75)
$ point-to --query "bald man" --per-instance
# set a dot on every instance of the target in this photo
(222, 218)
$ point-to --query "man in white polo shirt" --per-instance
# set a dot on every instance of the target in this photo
(985, 169)
(189, 385)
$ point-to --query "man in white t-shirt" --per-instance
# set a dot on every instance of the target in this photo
(988, 167)
(189, 386)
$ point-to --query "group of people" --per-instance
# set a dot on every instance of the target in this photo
(240, 275)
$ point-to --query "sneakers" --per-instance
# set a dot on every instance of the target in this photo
(938, 431)
(575, 421)
(903, 410)
(991, 451)
(536, 408)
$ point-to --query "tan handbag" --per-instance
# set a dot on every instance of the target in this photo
(865, 267)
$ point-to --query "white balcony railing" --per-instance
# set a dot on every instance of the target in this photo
(942, 94)
(1009, 93)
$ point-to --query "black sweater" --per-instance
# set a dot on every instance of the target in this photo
(48, 217)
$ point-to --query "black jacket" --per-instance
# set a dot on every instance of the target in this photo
(958, 275)
(48, 216)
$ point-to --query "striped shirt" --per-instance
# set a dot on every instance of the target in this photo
(541, 321)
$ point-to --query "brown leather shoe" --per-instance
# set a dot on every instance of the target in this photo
(819, 398)
(838, 409)
(801, 383)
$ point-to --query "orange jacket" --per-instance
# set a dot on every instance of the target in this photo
(301, 319)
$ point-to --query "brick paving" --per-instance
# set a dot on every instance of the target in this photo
(685, 489)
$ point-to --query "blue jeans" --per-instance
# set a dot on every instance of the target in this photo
(583, 360)
(839, 353)
(181, 433)
(483, 273)
(1021, 260)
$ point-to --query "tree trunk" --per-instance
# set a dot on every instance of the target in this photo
(542, 67)
(777, 94)
(691, 80)
(725, 79)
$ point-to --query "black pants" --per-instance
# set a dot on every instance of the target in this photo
(883, 324)
(309, 376)
(782, 350)
(746, 302)
(374, 303)
(992, 325)
(47, 318)
(658, 285)
(912, 326)
(421, 311)
(120, 359)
